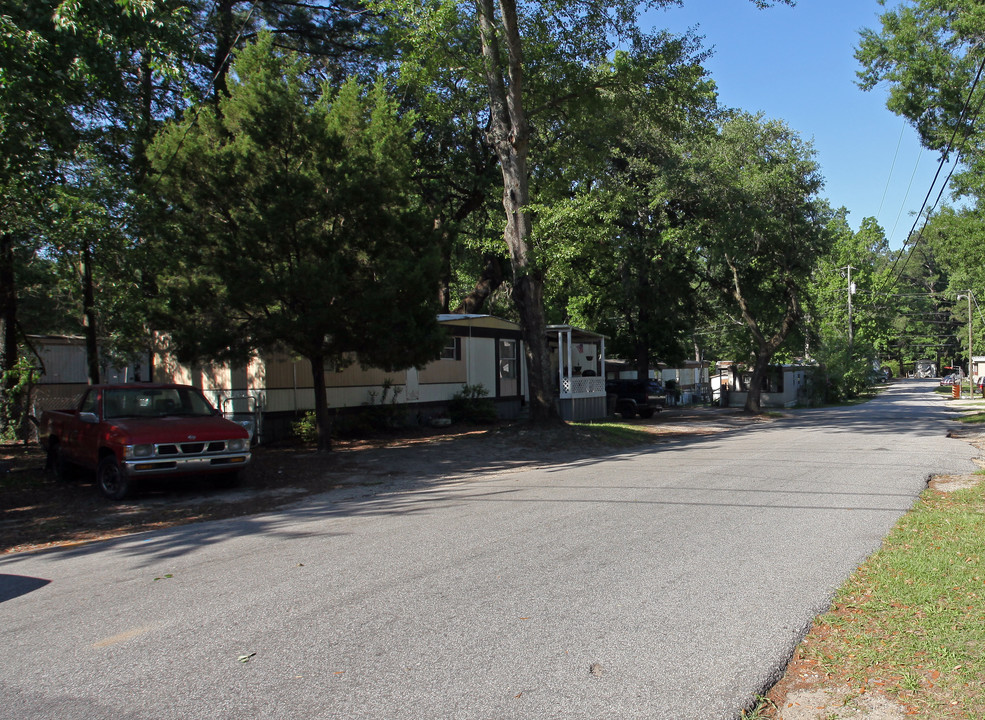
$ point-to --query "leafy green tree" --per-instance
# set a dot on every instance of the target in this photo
(928, 323)
(763, 232)
(929, 53)
(86, 233)
(342, 36)
(36, 128)
(546, 51)
(617, 200)
(291, 225)
(953, 239)
(849, 328)
(65, 80)
(456, 170)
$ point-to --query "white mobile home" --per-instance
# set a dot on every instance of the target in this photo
(481, 350)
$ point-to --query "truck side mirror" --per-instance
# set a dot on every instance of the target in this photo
(89, 417)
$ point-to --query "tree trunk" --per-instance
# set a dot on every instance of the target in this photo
(444, 282)
(8, 325)
(447, 232)
(754, 393)
(222, 53)
(766, 347)
(642, 360)
(323, 422)
(144, 132)
(488, 282)
(89, 317)
(509, 135)
(642, 329)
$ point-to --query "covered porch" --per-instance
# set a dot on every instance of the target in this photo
(579, 356)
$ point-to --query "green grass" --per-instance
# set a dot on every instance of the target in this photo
(615, 432)
(973, 418)
(913, 616)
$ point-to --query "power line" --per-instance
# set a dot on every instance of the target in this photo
(906, 195)
(892, 168)
(940, 167)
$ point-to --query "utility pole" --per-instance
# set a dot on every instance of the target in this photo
(851, 291)
(971, 363)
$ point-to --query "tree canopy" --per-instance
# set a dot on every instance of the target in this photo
(763, 232)
(289, 203)
(346, 187)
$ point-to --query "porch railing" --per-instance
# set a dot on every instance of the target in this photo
(582, 386)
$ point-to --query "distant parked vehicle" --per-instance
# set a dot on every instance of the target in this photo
(947, 380)
(635, 397)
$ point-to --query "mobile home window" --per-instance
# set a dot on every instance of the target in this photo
(453, 349)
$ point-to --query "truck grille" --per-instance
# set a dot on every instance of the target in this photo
(195, 448)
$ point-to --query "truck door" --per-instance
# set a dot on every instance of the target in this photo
(86, 451)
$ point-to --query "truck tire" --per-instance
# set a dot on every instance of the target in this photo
(627, 408)
(646, 413)
(112, 481)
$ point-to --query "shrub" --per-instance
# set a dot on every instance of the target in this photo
(471, 404)
(892, 366)
(383, 412)
(14, 404)
(844, 379)
(306, 429)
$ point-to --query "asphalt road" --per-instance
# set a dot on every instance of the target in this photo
(669, 583)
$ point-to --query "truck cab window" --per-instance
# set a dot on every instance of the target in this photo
(88, 402)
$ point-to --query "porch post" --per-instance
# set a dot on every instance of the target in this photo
(570, 368)
(560, 363)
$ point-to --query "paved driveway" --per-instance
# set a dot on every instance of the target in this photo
(666, 583)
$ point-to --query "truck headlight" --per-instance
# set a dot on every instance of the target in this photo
(237, 445)
(140, 451)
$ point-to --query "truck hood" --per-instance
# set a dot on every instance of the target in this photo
(174, 429)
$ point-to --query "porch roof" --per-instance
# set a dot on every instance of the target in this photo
(577, 334)
(489, 321)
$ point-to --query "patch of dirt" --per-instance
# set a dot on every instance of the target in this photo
(806, 692)
(38, 513)
(950, 483)
(840, 704)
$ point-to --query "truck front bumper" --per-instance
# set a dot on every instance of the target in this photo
(226, 462)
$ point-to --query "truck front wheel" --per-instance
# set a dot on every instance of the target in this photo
(112, 481)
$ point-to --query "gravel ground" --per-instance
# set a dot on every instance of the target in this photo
(40, 513)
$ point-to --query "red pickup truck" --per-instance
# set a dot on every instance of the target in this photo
(126, 432)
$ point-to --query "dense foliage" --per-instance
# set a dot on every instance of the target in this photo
(243, 175)
(286, 200)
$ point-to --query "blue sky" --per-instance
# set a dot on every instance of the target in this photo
(797, 64)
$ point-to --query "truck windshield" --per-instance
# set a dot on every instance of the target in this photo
(154, 402)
